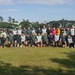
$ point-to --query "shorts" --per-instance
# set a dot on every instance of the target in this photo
(23, 42)
(71, 45)
(44, 42)
(39, 43)
(56, 42)
(11, 42)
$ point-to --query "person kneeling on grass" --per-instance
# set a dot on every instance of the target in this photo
(17, 40)
(63, 40)
(56, 39)
(39, 40)
(50, 39)
(2, 40)
(70, 41)
(45, 40)
(23, 39)
(28, 41)
(33, 39)
(10, 40)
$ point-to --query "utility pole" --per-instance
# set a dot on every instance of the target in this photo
(63, 22)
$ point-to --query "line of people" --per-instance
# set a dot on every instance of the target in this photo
(56, 37)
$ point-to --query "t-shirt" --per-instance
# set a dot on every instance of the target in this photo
(10, 38)
(56, 38)
(29, 32)
(17, 37)
(24, 31)
(33, 31)
(58, 31)
(39, 38)
(64, 32)
(68, 32)
(48, 31)
(70, 40)
(63, 38)
(33, 38)
(44, 30)
(3, 33)
(39, 31)
(19, 32)
(44, 38)
(23, 38)
(72, 31)
(50, 38)
(2, 40)
(53, 32)
(14, 32)
(28, 38)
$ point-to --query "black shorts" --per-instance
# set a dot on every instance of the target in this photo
(11, 42)
(18, 41)
(63, 43)
(44, 42)
(23, 42)
(56, 42)
(39, 43)
(33, 43)
(71, 44)
(28, 42)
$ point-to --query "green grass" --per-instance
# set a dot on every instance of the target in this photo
(37, 61)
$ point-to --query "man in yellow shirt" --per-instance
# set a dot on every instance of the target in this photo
(58, 31)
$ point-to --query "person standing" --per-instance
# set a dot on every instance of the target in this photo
(72, 30)
(14, 31)
(44, 30)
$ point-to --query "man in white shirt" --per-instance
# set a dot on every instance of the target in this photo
(33, 31)
(14, 31)
(3, 33)
(56, 39)
(19, 31)
(72, 30)
(23, 38)
(44, 30)
(70, 41)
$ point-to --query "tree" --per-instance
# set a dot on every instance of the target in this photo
(10, 19)
(1, 19)
(13, 20)
(25, 24)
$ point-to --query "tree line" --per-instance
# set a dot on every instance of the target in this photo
(12, 22)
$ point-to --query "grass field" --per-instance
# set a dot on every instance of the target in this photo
(37, 61)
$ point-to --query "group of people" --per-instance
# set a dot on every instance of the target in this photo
(40, 37)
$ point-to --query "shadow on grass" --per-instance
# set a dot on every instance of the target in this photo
(8, 69)
(68, 63)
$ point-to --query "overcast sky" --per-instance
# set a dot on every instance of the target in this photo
(38, 10)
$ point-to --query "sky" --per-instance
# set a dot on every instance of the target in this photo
(38, 10)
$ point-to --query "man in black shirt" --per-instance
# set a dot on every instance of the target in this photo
(17, 39)
(39, 31)
(28, 40)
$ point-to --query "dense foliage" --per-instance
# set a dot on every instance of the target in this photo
(26, 23)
